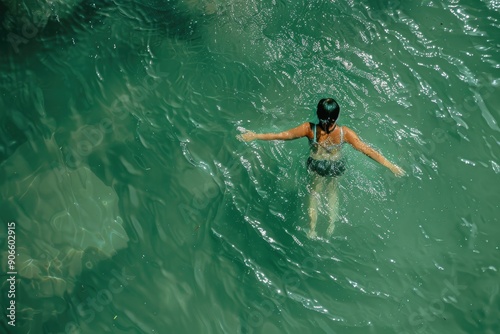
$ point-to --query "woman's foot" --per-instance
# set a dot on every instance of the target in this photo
(312, 234)
(330, 229)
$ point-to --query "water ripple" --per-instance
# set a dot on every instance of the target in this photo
(130, 109)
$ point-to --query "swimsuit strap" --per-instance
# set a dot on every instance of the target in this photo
(341, 134)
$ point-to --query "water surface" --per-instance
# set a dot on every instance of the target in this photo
(138, 210)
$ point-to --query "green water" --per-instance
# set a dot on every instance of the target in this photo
(138, 211)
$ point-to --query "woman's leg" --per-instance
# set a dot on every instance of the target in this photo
(333, 203)
(314, 199)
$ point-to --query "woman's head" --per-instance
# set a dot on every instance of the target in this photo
(328, 112)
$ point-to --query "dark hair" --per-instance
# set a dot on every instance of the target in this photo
(328, 111)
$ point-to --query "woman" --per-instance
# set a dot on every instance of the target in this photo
(325, 162)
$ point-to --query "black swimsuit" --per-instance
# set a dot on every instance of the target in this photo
(332, 168)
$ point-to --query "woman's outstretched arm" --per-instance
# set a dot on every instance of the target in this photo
(353, 139)
(302, 130)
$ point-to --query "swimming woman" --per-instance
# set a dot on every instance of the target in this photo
(325, 162)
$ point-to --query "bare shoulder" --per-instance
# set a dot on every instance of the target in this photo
(350, 135)
(303, 130)
(307, 129)
(346, 129)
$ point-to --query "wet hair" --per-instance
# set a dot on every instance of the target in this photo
(328, 111)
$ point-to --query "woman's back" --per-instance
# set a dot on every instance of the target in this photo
(326, 146)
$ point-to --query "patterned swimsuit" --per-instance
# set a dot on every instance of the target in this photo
(327, 167)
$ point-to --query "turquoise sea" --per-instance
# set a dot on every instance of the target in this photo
(135, 209)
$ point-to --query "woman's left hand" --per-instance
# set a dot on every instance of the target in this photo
(398, 171)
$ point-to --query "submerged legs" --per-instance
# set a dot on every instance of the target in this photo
(314, 200)
(333, 204)
(323, 189)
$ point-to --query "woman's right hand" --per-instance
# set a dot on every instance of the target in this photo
(247, 136)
